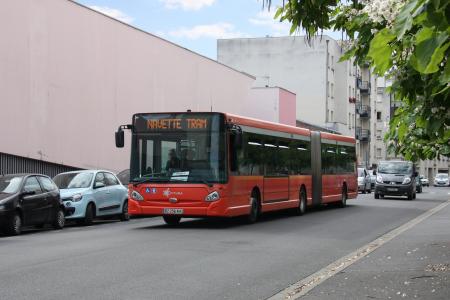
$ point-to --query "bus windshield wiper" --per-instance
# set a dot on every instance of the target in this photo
(137, 182)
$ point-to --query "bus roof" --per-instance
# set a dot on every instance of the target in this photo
(284, 128)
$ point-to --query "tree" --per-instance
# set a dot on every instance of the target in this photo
(404, 40)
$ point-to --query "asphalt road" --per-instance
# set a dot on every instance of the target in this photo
(200, 259)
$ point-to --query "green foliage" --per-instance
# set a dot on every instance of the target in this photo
(409, 43)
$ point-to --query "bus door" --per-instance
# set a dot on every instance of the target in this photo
(276, 173)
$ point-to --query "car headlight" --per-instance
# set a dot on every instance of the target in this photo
(77, 197)
(379, 179)
(214, 196)
(406, 180)
(136, 196)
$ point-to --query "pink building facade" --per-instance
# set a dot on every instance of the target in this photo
(69, 76)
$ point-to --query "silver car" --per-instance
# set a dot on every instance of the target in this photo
(364, 181)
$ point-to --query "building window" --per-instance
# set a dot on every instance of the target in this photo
(380, 90)
(349, 121)
(379, 134)
(353, 120)
(332, 90)
(378, 153)
(378, 115)
(331, 116)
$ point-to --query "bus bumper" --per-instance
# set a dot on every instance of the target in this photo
(213, 209)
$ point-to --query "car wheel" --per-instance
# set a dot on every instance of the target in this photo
(414, 195)
(376, 195)
(89, 215)
(364, 190)
(410, 196)
(60, 219)
(14, 225)
(301, 209)
(370, 189)
(125, 216)
(172, 220)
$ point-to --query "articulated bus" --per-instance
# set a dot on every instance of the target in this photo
(222, 165)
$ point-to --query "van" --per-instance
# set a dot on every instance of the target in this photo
(396, 178)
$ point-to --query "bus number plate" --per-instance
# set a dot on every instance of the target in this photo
(173, 211)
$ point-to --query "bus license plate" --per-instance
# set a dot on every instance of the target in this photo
(392, 189)
(173, 211)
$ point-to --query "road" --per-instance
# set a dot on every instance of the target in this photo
(200, 259)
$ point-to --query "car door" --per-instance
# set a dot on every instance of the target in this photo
(52, 197)
(99, 193)
(116, 195)
(33, 202)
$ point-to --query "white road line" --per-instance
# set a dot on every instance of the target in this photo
(303, 286)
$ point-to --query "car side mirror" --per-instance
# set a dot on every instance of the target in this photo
(98, 185)
(120, 138)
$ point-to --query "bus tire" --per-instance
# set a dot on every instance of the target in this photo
(253, 216)
(301, 209)
(172, 220)
(343, 202)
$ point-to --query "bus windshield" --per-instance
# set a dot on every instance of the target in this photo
(178, 148)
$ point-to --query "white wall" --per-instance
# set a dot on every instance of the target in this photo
(287, 62)
(69, 76)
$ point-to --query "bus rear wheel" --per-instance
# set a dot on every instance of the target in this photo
(172, 220)
(301, 209)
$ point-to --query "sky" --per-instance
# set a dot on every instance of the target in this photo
(196, 24)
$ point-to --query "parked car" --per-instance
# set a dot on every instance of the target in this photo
(441, 179)
(91, 194)
(29, 199)
(373, 178)
(418, 185)
(364, 181)
(396, 178)
(424, 181)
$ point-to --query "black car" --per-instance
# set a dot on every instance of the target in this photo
(396, 178)
(29, 199)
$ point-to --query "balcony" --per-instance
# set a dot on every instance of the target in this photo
(363, 110)
(364, 86)
(362, 134)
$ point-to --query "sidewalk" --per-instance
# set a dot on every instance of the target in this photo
(414, 265)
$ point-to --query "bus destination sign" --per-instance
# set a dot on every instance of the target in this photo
(176, 122)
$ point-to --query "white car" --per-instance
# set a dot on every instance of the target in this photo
(441, 179)
(424, 180)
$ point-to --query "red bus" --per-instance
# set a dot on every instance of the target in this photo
(222, 165)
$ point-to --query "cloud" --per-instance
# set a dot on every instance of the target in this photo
(113, 13)
(214, 31)
(275, 27)
(187, 4)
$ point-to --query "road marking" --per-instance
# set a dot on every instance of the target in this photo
(305, 285)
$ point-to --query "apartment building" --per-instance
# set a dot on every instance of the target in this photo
(325, 88)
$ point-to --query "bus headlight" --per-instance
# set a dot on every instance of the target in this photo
(136, 196)
(214, 196)
(406, 180)
(379, 179)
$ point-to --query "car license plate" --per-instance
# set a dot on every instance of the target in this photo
(173, 211)
(392, 189)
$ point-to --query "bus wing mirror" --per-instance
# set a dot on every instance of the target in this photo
(120, 138)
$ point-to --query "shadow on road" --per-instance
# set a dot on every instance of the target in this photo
(225, 223)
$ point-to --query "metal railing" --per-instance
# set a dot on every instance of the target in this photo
(362, 134)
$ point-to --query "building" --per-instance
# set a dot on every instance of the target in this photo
(384, 105)
(325, 89)
(70, 76)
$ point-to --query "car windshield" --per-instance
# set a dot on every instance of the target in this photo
(360, 172)
(73, 180)
(442, 176)
(395, 167)
(10, 184)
